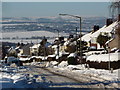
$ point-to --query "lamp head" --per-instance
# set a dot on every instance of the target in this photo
(62, 14)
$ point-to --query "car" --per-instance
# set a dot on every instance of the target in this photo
(92, 48)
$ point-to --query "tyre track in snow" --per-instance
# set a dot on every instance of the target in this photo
(52, 75)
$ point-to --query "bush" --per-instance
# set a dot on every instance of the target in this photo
(72, 61)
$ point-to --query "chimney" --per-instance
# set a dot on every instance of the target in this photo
(95, 28)
(109, 21)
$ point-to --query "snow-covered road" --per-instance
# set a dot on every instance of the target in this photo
(37, 75)
(53, 77)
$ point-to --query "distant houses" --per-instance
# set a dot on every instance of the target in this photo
(34, 50)
(26, 49)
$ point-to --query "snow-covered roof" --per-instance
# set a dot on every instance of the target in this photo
(107, 29)
(24, 59)
(109, 40)
(87, 37)
(104, 57)
(95, 34)
(54, 46)
(35, 46)
(67, 42)
(93, 52)
(114, 49)
(17, 47)
(110, 27)
(52, 55)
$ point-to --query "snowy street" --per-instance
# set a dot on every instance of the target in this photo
(37, 75)
(56, 77)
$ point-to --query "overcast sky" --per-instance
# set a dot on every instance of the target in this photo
(43, 9)
(56, 0)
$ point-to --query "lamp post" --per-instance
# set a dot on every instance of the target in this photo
(109, 66)
(80, 29)
(58, 45)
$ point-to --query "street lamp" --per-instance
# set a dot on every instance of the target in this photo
(58, 45)
(109, 66)
(80, 30)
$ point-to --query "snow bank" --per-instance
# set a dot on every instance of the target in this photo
(24, 59)
(76, 67)
(12, 80)
(104, 57)
(63, 64)
(99, 73)
(93, 52)
(51, 64)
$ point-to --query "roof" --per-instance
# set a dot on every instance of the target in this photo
(87, 37)
(35, 46)
(107, 29)
(96, 34)
(27, 46)
(109, 41)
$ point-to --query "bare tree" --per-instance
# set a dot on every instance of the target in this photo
(115, 8)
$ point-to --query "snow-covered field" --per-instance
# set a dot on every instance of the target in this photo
(29, 34)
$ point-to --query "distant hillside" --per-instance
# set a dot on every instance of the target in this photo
(66, 25)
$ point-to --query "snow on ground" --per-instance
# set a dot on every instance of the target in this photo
(12, 80)
(93, 52)
(12, 77)
(9, 77)
(81, 69)
(29, 34)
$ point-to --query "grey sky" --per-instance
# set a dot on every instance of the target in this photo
(43, 9)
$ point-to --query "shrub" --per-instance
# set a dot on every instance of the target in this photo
(72, 61)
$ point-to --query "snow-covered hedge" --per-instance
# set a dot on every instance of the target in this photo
(104, 57)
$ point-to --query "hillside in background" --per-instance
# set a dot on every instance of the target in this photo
(66, 25)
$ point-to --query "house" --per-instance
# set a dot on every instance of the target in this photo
(25, 50)
(115, 41)
(111, 59)
(40, 50)
(91, 38)
(34, 50)
(102, 61)
(4, 47)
